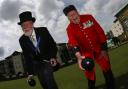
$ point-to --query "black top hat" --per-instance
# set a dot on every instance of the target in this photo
(26, 16)
(68, 9)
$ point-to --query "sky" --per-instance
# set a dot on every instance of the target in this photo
(49, 13)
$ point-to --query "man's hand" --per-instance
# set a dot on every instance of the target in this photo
(53, 61)
(79, 64)
(31, 81)
(79, 60)
(29, 77)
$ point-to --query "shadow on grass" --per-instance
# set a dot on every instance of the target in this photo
(121, 82)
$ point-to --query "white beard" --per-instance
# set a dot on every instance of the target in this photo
(28, 33)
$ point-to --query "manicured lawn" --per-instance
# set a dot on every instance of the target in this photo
(72, 78)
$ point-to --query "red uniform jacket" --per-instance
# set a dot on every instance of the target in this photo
(89, 36)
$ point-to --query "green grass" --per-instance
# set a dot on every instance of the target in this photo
(72, 78)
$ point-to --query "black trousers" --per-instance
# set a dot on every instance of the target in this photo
(45, 75)
(109, 79)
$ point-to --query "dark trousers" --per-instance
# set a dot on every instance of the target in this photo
(109, 79)
(44, 72)
(91, 84)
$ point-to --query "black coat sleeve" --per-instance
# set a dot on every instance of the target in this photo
(52, 45)
(27, 58)
(104, 46)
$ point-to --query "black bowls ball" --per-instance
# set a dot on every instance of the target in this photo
(32, 82)
(87, 64)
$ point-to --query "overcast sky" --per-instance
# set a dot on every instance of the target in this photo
(49, 13)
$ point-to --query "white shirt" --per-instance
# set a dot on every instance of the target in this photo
(33, 38)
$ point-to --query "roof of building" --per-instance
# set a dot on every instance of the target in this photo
(121, 10)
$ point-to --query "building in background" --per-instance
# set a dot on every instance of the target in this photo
(122, 16)
(117, 33)
(18, 63)
(65, 55)
(116, 29)
(12, 66)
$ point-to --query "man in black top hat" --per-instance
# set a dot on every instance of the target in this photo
(39, 50)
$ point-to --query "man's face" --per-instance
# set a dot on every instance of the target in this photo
(74, 17)
(27, 27)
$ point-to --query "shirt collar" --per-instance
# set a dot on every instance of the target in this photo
(33, 33)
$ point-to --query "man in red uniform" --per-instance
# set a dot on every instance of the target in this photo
(87, 39)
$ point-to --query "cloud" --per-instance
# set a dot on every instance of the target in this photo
(59, 31)
(50, 12)
(29, 5)
(78, 3)
(9, 35)
(9, 9)
(50, 8)
(114, 6)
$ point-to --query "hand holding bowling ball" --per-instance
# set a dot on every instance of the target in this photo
(87, 64)
(32, 82)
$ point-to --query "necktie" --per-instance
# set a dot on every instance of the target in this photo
(33, 39)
